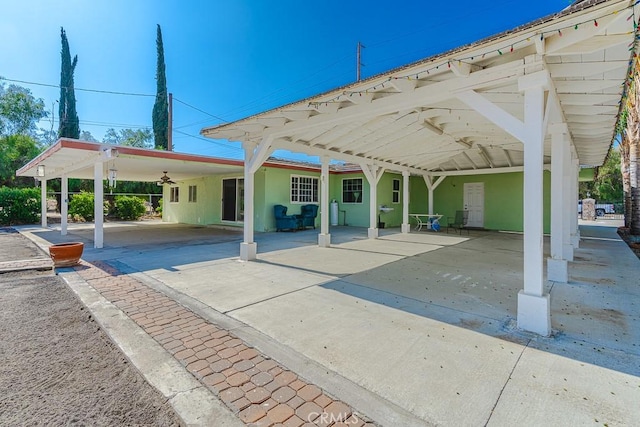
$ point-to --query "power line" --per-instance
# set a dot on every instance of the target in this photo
(198, 109)
(211, 141)
(77, 88)
(107, 124)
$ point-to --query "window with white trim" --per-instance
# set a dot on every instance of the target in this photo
(174, 196)
(352, 190)
(193, 193)
(395, 191)
(304, 189)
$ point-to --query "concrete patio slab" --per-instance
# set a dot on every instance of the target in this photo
(226, 285)
(422, 365)
(546, 390)
(425, 321)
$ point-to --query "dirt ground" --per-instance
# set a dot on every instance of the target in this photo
(632, 241)
(57, 366)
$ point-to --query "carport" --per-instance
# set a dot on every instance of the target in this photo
(69, 158)
(545, 95)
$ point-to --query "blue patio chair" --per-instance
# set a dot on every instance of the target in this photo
(284, 221)
(308, 214)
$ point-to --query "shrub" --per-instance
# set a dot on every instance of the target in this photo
(81, 207)
(129, 207)
(159, 208)
(19, 205)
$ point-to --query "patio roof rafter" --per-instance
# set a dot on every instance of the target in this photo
(493, 103)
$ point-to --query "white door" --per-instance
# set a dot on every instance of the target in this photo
(474, 203)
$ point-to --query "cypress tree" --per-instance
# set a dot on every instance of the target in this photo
(69, 123)
(160, 114)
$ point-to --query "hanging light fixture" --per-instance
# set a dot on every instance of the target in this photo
(112, 177)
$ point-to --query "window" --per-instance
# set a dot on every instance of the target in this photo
(304, 189)
(352, 190)
(193, 193)
(175, 195)
(395, 194)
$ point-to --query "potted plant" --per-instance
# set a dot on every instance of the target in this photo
(66, 254)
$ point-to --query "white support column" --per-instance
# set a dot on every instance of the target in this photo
(248, 248)
(431, 186)
(373, 174)
(575, 231)
(254, 157)
(406, 227)
(43, 202)
(64, 200)
(570, 206)
(557, 265)
(98, 202)
(534, 312)
(324, 238)
(429, 182)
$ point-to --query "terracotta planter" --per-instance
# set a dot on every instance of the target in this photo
(66, 254)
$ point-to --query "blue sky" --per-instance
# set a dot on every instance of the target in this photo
(230, 58)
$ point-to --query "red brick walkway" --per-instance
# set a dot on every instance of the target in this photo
(258, 389)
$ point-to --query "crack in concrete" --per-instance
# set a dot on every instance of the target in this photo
(515, 365)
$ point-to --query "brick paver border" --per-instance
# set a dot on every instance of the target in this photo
(259, 390)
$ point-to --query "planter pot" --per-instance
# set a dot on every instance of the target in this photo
(66, 254)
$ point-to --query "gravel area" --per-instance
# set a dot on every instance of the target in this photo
(58, 367)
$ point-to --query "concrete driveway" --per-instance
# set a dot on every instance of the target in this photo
(421, 325)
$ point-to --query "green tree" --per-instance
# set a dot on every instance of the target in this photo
(160, 115)
(69, 123)
(15, 152)
(608, 180)
(19, 111)
(85, 135)
(141, 138)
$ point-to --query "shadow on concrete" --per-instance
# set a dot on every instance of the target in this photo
(469, 282)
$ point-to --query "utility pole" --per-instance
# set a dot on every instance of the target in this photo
(359, 63)
(170, 125)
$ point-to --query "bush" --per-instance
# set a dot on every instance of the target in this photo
(129, 207)
(19, 205)
(81, 207)
(159, 208)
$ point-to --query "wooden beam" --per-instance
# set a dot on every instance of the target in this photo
(260, 154)
(326, 107)
(314, 151)
(570, 42)
(272, 121)
(493, 113)
(508, 156)
(424, 95)
(485, 171)
(485, 155)
(404, 84)
(469, 159)
(578, 69)
(360, 97)
(296, 114)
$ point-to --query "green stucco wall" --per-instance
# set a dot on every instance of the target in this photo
(356, 214)
(586, 174)
(503, 208)
(203, 211)
(503, 202)
(277, 192)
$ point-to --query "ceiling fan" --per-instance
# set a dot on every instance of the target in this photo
(164, 179)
